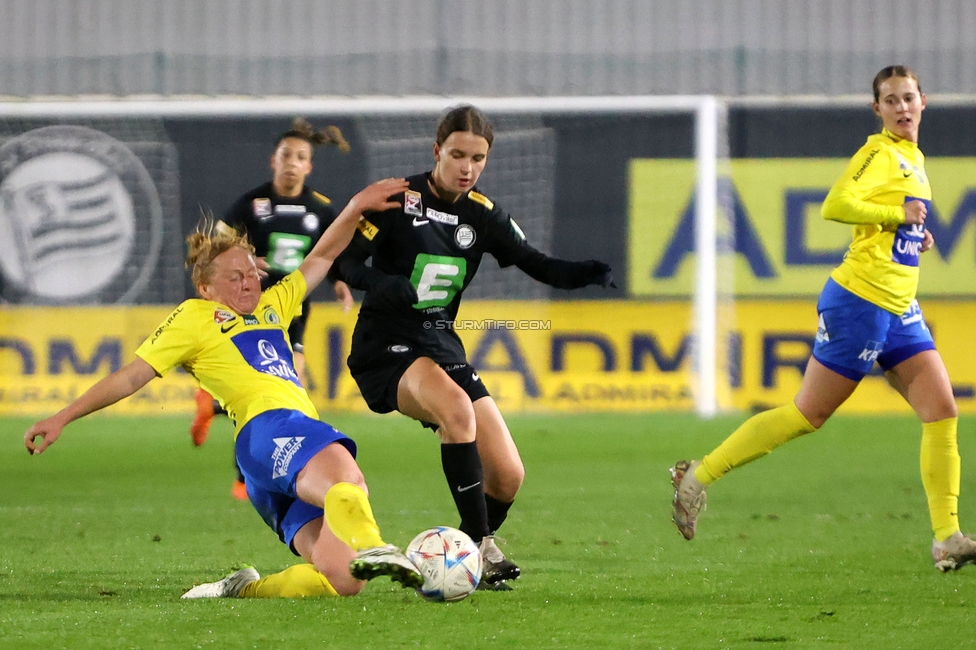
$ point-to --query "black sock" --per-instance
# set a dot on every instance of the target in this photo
(497, 513)
(462, 467)
(218, 409)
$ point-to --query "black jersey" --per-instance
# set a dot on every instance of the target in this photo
(438, 246)
(283, 230)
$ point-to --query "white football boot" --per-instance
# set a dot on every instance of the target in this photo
(229, 587)
(953, 553)
(386, 560)
(689, 497)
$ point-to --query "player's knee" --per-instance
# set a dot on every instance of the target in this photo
(506, 484)
(943, 410)
(343, 582)
(353, 475)
(816, 414)
(337, 573)
(457, 423)
(348, 587)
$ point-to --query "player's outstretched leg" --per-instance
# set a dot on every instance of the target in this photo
(496, 568)
(229, 587)
(689, 497)
(350, 517)
(953, 553)
(200, 427)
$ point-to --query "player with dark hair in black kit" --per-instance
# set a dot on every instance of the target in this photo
(405, 353)
(283, 219)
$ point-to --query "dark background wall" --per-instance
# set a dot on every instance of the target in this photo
(206, 162)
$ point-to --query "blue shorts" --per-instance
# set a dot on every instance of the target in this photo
(853, 333)
(271, 450)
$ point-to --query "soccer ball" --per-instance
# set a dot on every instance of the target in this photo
(449, 561)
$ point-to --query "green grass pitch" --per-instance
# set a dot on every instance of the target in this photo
(825, 543)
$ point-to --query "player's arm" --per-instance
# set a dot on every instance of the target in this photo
(343, 295)
(847, 201)
(120, 384)
(239, 214)
(394, 291)
(374, 198)
(508, 245)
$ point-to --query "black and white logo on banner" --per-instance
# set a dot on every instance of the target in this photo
(80, 218)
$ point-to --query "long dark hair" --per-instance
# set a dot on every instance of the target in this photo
(465, 118)
(302, 129)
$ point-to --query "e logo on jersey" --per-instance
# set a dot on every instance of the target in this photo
(271, 316)
(464, 236)
(437, 278)
(80, 218)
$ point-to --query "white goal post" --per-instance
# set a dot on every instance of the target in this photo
(710, 145)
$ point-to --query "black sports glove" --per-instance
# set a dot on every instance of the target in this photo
(392, 291)
(595, 272)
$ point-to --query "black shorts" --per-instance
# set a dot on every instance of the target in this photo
(379, 377)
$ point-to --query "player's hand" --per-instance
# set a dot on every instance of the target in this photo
(394, 292)
(915, 212)
(343, 295)
(928, 242)
(376, 197)
(599, 273)
(262, 265)
(47, 430)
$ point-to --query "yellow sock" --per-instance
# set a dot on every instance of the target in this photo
(755, 438)
(349, 515)
(299, 581)
(939, 460)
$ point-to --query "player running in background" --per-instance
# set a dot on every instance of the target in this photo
(405, 354)
(302, 476)
(283, 219)
(867, 312)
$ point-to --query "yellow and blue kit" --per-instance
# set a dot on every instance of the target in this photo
(246, 362)
(867, 311)
(881, 265)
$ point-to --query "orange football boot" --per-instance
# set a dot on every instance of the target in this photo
(200, 426)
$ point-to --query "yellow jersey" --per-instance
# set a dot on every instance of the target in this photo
(881, 265)
(245, 361)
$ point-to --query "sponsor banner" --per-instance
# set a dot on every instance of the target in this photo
(51, 355)
(533, 356)
(783, 246)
